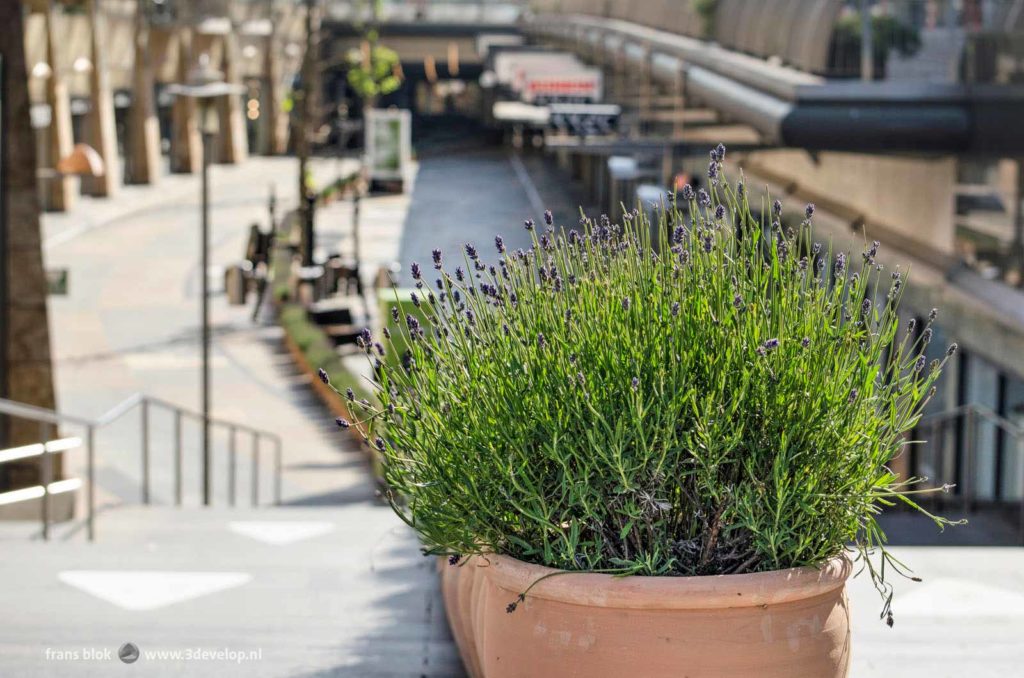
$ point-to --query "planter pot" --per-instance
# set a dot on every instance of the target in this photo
(785, 624)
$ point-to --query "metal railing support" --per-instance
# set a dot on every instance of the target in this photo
(90, 465)
(967, 470)
(278, 472)
(177, 458)
(232, 465)
(144, 424)
(46, 474)
(255, 469)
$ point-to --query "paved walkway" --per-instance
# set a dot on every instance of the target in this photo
(331, 584)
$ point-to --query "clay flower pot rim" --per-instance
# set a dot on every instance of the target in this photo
(667, 593)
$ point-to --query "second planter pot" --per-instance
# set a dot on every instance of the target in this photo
(785, 624)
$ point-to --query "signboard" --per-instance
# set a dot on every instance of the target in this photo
(388, 144)
(579, 86)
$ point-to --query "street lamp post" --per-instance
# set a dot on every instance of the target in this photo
(206, 85)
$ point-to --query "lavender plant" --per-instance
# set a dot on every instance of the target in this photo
(720, 398)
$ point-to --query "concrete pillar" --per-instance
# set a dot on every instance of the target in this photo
(100, 126)
(274, 124)
(59, 191)
(25, 364)
(186, 142)
(234, 142)
(143, 161)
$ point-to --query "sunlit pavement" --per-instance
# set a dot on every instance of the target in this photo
(331, 585)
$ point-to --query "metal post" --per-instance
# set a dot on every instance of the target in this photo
(867, 43)
(278, 471)
(90, 470)
(177, 457)
(46, 473)
(272, 209)
(232, 466)
(1020, 457)
(144, 412)
(205, 310)
(308, 228)
(970, 433)
(255, 469)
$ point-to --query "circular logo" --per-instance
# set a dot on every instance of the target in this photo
(128, 653)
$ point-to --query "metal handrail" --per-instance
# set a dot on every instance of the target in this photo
(976, 409)
(970, 416)
(48, 418)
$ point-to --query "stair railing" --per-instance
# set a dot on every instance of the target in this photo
(49, 419)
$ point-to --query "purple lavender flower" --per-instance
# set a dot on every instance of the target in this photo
(549, 218)
(460, 275)
(805, 342)
(713, 172)
(720, 212)
(471, 251)
(412, 323)
(703, 199)
(342, 422)
(809, 210)
(387, 333)
(350, 395)
(853, 395)
(499, 243)
(470, 317)
(770, 345)
(378, 442)
(394, 313)
(737, 301)
(951, 350)
(777, 208)
(926, 336)
(528, 224)
(436, 254)
(635, 383)
(415, 299)
(687, 192)
(865, 307)
(675, 309)
(920, 363)
(322, 373)
(625, 303)
(933, 314)
(541, 341)
(416, 272)
(840, 263)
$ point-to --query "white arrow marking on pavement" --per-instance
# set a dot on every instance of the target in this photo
(959, 598)
(149, 590)
(280, 532)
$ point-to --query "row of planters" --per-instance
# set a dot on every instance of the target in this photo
(651, 455)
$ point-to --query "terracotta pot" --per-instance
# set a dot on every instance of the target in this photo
(785, 624)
